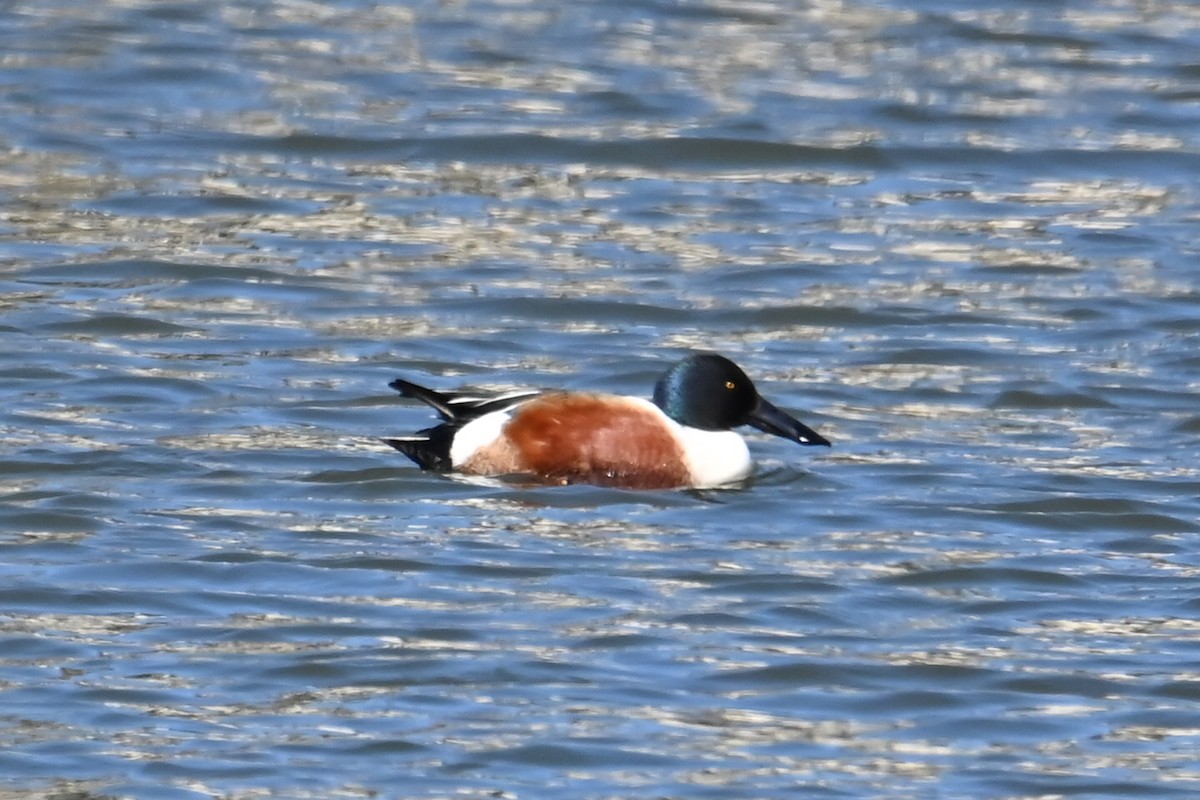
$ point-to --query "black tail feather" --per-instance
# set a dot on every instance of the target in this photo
(430, 449)
(440, 402)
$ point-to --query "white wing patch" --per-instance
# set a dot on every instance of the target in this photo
(469, 400)
(476, 434)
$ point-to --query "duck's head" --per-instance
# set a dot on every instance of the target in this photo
(710, 392)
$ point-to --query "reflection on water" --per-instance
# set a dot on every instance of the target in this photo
(958, 239)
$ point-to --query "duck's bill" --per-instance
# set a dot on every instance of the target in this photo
(769, 419)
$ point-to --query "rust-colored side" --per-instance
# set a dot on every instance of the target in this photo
(586, 438)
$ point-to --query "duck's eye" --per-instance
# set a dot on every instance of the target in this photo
(730, 385)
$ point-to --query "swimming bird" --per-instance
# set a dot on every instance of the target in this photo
(683, 437)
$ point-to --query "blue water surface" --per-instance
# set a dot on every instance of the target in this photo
(957, 239)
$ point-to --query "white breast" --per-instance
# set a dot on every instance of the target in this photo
(714, 458)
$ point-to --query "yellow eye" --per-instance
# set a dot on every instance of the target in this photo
(730, 385)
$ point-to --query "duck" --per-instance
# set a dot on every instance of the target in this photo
(682, 437)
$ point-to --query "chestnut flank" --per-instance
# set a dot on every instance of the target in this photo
(586, 438)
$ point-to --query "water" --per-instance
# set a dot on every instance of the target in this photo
(958, 239)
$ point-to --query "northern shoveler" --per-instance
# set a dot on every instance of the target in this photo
(683, 438)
